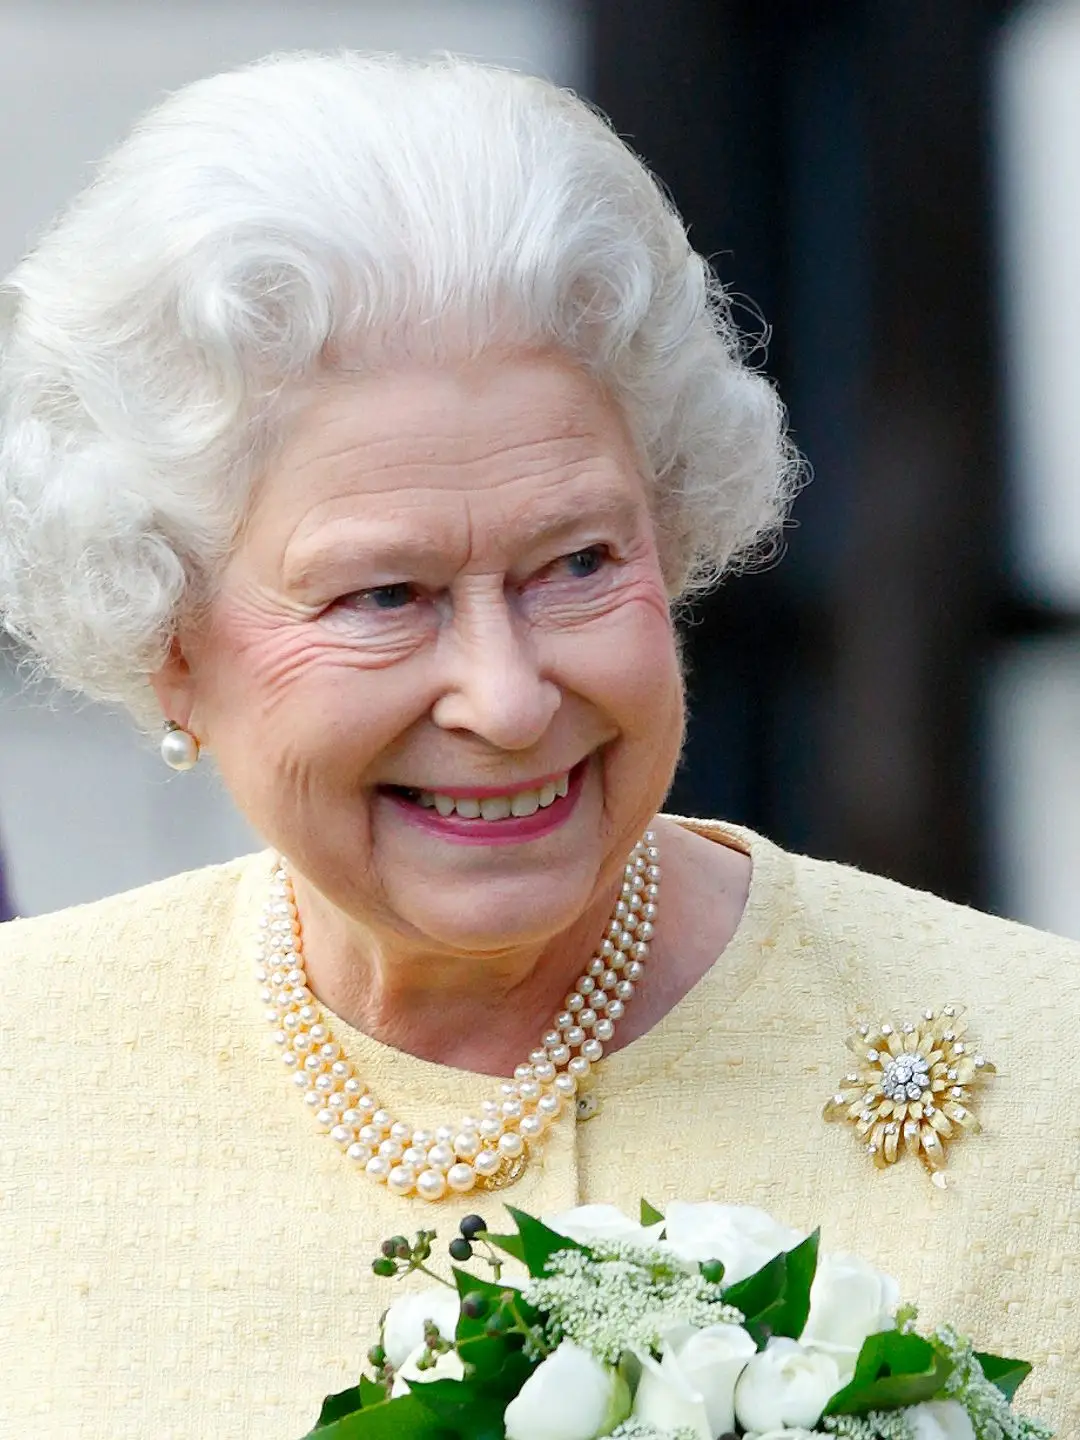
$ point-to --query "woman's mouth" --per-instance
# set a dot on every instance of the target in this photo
(489, 816)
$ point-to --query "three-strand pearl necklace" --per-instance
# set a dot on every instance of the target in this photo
(488, 1150)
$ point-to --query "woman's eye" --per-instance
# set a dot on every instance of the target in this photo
(583, 563)
(386, 597)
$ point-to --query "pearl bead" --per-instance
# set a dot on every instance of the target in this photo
(592, 1050)
(587, 1018)
(325, 1119)
(624, 990)
(559, 1054)
(179, 749)
(537, 1057)
(605, 1030)
(370, 1134)
(431, 1185)
(444, 1134)
(391, 1149)
(615, 1010)
(574, 1036)
(566, 1086)
(440, 1157)
(523, 1072)
(400, 1131)
(423, 1139)
(359, 1154)
(596, 968)
(511, 1145)
(383, 1119)
(401, 1180)
(491, 1129)
(545, 1071)
(531, 1127)
(549, 1105)
(487, 1163)
(341, 1135)
(513, 1109)
(530, 1091)
(552, 1037)
(377, 1168)
(414, 1157)
(313, 1100)
(579, 1067)
(461, 1178)
(467, 1145)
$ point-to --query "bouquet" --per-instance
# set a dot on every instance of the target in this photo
(710, 1322)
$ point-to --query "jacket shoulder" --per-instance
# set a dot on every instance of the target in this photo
(181, 907)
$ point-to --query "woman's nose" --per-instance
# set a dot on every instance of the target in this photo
(495, 687)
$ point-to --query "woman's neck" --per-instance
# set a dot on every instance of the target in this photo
(480, 1013)
(486, 1013)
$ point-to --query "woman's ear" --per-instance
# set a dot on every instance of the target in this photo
(174, 686)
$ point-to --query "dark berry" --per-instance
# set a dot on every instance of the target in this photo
(472, 1225)
(474, 1305)
(384, 1267)
(460, 1249)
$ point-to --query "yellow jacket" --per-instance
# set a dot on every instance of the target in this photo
(183, 1255)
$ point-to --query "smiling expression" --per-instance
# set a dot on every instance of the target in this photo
(440, 673)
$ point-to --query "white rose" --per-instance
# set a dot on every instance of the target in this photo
(403, 1328)
(569, 1396)
(849, 1300)
(785, 1385)
(446, 1367)
(940, 1420)
(741, 1236)
(601, 1222)
(693, 1385)
(797, 1434)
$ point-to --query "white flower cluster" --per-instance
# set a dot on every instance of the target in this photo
(639, 1430)
(625, 1299)
(991, 1413)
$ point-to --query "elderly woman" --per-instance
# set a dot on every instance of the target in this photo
(364, 421)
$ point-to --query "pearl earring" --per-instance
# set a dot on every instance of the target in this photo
(179, 748)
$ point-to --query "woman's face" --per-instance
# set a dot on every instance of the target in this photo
(446, 606)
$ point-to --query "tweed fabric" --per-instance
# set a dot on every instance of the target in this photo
(183, 1255)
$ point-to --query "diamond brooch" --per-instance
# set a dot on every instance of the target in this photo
(912, 1088)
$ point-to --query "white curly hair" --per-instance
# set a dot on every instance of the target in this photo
(317, 211)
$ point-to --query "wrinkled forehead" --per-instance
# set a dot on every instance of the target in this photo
(529, 442)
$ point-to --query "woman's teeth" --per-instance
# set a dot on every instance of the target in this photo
(495, 807)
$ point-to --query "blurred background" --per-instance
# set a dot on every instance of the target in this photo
(892, 192)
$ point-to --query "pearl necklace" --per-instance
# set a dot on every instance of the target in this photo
(488, 1151)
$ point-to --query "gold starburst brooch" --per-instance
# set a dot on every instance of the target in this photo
(911, 1093)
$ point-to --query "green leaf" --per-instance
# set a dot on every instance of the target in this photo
(776, 1299)
(893, 1370)
(401, 1419)
(345, 1402)
(1006, 1375)
(509, 1245)
(649, 1214)
(372, 1392)
(538, 1243)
